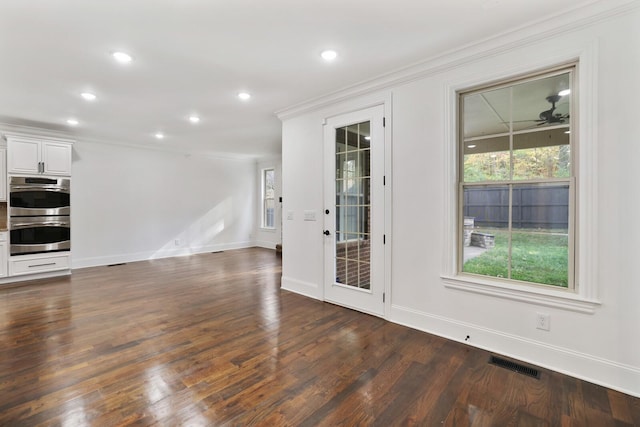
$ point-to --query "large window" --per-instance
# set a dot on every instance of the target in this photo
(268, 198)
(516, 175)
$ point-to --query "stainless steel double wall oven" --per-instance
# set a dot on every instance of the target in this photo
(39, 215)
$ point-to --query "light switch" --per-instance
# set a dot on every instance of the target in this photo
(290, 215)
(309, 215)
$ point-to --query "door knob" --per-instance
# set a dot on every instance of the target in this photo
(326, 232)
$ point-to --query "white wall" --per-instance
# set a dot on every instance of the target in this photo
(132, 204)
(268, 238)
(602, 346)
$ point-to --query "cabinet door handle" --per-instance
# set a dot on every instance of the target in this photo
(42, 265)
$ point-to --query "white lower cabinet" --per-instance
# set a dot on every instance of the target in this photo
(38, 263)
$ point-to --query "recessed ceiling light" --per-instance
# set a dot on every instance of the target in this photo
(564, 92)
(329, 55)
(244, 96)
(88, 96)
(72, 122)
(122, 57)
(159, 135)
(194, 119)
(471, 146)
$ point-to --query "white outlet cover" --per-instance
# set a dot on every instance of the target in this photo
(309, 215)
(543, 321)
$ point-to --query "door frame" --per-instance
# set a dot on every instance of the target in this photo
(386, 103)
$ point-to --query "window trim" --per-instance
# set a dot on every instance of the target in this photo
(263, 199)
(583, 298)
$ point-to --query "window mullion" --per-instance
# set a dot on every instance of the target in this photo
(511, 165)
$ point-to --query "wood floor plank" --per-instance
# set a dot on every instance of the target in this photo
(211, 339)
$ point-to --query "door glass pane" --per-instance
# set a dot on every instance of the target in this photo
(353, 205)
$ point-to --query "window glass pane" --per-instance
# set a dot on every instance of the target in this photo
(365, 135)
(352, 137)
(269, 213)
(365, 194)
(487, 113)
(487, 205)
(364, 248)
(487, 160)
(364, 220)
(351, 273)
(485, 232)
(365, 167)
(540, 258)
(487, 253)
(364, 275)
(351, 246)
(341, 267)
(268, 198)
(543, 208)
(543, 154)
(340, 249)
(341, 140)
(537, 103)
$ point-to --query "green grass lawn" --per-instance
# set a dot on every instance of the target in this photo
(536, 258)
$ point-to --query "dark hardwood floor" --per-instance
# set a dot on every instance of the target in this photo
(211, 340)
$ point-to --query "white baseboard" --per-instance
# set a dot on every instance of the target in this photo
(307, 289)
(265, 244)
(607, 373)
(148, 255)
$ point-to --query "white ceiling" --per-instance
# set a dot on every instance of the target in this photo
(194, 56)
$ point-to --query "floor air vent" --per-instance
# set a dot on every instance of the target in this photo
(513, 366)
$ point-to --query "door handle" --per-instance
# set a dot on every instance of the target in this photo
(326, 232)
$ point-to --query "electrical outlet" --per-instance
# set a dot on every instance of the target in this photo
(176, 242)
(543, 321)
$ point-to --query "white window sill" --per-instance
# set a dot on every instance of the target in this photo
(557, 298)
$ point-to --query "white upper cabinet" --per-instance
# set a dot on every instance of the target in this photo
(38, 156)
(56, 158)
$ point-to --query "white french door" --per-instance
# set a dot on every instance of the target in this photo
(354, 256)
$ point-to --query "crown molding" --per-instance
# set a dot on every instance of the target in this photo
(24, 130)
(536, 31)
(9, 128)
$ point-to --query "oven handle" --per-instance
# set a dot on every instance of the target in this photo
(22, 225)
(25, 188)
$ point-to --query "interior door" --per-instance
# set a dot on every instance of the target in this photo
(354, 210)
